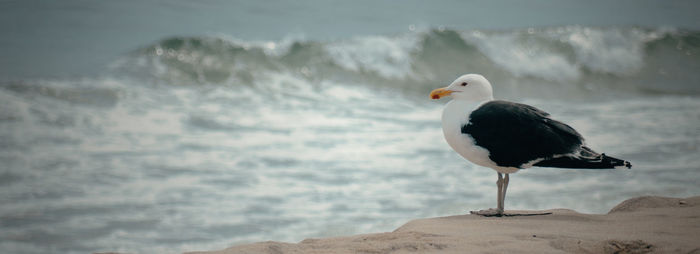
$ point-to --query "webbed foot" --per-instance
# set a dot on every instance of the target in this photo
(489, 212)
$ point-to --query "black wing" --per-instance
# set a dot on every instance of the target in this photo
(585, 158)
(515, 134)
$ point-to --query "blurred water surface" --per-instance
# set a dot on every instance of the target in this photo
(201, 141)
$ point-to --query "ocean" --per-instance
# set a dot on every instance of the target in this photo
(165, 127)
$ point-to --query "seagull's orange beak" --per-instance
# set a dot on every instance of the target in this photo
(439, 93)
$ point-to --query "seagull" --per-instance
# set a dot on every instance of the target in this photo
(507, 136)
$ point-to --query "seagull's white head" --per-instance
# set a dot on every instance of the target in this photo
(470, 87)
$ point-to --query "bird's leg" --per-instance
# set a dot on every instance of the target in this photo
(501, 192)
(503, 195)
(499, 210)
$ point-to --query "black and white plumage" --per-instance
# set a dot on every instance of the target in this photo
(508, 136)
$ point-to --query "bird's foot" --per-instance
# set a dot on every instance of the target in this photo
(489, 212)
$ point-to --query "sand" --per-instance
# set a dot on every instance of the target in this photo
(639, 225)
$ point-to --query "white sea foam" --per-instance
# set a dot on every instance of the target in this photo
(609, 50)
(524, 57)
(388, 56)
(543, 52)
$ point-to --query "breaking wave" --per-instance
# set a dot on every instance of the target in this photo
(526, 62)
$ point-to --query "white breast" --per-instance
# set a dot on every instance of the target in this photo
(454, 116)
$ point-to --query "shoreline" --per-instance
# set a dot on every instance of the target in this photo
(638, 225)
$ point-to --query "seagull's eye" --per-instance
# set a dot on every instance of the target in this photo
(464, 83)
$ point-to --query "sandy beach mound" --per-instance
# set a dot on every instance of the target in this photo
(639, 225)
